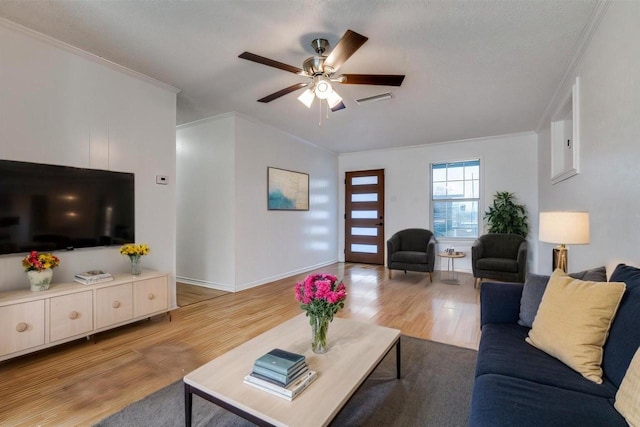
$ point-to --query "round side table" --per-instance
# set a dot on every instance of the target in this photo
(451, 257)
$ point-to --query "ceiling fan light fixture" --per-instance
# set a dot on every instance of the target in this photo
(307, 97)
(323, 87)
(334, 99)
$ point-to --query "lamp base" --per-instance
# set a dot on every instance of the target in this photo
(560, 258)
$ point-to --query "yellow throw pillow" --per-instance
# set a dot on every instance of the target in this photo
(573, 321)
(628, 396)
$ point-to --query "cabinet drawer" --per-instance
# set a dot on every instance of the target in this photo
(113, 305)
(71, 315)
(21, 326)
(150, 296)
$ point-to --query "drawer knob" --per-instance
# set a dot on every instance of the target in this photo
(151, 296)
(74, 315)
(21, 327)
(115, 304)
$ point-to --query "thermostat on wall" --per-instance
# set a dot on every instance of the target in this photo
(162, 179)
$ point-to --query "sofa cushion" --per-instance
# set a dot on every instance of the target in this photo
(598, 274)
(499, 400)
(504, 351)
(532, 292)
(624, 336)
(410, 257)
(628, 396)
(535, 285)
(497, 264)
(573, 322)
(499, 302)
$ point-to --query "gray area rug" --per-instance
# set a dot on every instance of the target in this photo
(435, 390)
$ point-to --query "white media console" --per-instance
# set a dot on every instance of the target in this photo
(31, 321)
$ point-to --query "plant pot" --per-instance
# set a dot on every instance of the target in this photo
(40, 280)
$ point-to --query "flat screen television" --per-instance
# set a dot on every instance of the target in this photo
(48, 208)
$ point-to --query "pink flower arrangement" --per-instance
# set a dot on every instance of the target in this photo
(321, 295)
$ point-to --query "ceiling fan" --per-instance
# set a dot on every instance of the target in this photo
(321, 70)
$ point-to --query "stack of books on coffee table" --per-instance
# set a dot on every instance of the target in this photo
(281, 373)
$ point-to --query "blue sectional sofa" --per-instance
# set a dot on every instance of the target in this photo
(517, 384)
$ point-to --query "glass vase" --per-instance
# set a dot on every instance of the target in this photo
(136, 268)
(40, 280)
(319, 329)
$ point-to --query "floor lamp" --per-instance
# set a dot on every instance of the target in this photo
(563, 228)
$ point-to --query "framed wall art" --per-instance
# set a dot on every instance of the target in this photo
(287, 190)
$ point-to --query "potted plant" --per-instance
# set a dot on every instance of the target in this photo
(39, 268)
(507, 216)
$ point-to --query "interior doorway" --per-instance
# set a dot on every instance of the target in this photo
(364, 217)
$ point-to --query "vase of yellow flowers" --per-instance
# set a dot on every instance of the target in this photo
(321, 296)
(135, 252)
(39, 268)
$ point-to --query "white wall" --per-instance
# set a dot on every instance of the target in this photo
(59, 105)
(508, 163)
(608, 182)
(246, 244)
(206, 202)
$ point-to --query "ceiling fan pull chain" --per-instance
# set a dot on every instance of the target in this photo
(320, 114)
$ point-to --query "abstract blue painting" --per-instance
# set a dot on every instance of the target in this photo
(287, 190)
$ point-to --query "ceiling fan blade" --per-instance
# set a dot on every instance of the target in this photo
(373, 79)
(338, 107)
(271, 63)
(348, 44)
(283, 92)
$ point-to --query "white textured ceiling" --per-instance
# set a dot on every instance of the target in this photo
(473, 68)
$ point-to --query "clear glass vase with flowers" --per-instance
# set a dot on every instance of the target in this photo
(321, 296)
(135, 252)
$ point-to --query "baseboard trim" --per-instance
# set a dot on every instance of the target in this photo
(205, 284)
(243, 286)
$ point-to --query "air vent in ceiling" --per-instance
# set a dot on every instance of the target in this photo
(374, 98)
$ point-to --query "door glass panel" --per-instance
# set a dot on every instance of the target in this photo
(364, 214)
(364, 180)
(364, 197)
(369, 249)
(364, 231)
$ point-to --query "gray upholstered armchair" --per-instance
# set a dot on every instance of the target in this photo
(499, 256)
(413, 249)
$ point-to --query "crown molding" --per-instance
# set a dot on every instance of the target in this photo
(82, 53)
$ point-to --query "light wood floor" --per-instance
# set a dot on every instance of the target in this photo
(190, 294)
(80, 383)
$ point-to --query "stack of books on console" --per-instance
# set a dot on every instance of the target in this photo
(92, 277)
(281, 373)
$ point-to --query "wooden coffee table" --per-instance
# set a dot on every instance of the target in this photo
(355, 350)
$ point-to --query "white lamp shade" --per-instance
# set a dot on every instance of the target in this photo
(333, 99)
(307, 97)
(564, 227)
